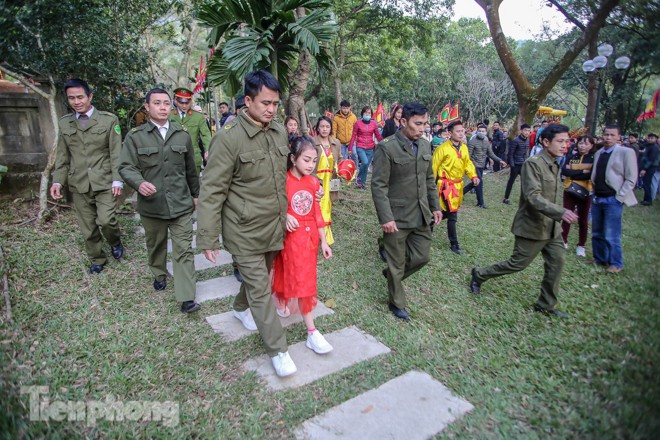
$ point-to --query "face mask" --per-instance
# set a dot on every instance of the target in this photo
(427, 130)
(480, 135)
(366, 118)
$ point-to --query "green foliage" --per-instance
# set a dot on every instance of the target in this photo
(100, 41)
(261, 34)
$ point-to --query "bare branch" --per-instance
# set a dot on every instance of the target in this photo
(568, 15)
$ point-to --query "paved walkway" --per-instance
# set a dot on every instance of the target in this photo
(411, 406)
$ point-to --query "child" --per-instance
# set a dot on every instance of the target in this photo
(294, 269)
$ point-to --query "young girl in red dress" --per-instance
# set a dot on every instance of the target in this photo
(294, 269)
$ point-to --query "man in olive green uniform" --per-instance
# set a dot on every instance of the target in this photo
(87, 161)
(193, 121)
(406, 201)
(537, 224)
(157, 161)
(244, 196)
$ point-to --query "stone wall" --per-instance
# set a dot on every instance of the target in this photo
(26, 137)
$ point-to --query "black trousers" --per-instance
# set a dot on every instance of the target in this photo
(452, 218)
(515, 171)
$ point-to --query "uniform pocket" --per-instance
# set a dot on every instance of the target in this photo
(179, 154)
(252, 166)
(284, 150)
(148, 156)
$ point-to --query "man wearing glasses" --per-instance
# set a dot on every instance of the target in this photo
(537, 224)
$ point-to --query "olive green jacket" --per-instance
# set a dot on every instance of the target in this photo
(243, 194)
(539, 210)
(402, 185)
(167, 163)
(196, 126)
(88, 158)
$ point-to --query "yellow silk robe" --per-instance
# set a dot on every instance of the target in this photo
(325, 169)
(449, 165)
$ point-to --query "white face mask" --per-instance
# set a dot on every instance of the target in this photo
(427, 130)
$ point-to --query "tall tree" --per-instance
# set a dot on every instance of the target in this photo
(268, 34)
(529, 96)
(49, 41)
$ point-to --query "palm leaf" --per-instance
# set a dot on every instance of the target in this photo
(310, 31)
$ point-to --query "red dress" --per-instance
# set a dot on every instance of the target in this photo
(295, 266)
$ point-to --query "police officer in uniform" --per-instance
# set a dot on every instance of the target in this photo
(244, 196)
(194, 122)
(537, 224)
(87, 162)
(157, 160)
(406, 200)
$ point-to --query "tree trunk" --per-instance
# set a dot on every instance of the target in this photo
(529, 96)
(296, 101)
(592, 91)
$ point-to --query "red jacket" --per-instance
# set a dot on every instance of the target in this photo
(364, 134)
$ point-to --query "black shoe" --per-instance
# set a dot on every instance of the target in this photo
(189, 306)
(117, 251)
(96, 268)
(475, 286)
(481, 206)
(160, 284)
(381, 252)
(645, 203)
(456, 249)
(399, 313)
(385, 273)
(506, 201)
(238, 276)
(549, 312)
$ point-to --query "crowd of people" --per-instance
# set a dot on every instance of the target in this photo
(268, 191)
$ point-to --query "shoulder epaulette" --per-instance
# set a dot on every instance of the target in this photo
(229, 125)
(67, 116)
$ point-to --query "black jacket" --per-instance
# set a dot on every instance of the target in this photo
(390, 128)
(517, 151)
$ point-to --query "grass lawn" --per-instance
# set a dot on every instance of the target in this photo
(527, 375)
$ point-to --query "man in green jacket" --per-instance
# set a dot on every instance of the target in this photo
(157, 161)
(406, 200)
(194, 122)
(87, 161)
(537, 224)
(244, 197)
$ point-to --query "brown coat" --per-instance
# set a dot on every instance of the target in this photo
(335, 147)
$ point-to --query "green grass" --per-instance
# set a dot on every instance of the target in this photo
(528, 376)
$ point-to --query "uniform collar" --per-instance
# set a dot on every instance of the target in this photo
(166, 125)
(88, 113)
(405, 142)
(545, 156)
(251, 126)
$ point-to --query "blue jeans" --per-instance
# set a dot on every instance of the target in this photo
(606, 216)
(365, 159)
(344, 153)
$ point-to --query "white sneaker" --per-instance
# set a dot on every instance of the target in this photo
(283, 313)
(246, 318)
(283, 364)
(316, 342)
(580, 251)
(565, 245)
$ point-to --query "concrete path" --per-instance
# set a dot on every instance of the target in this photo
(410, 407)
(351, 345)
(202, 263)
(216, 288)
(232, 329)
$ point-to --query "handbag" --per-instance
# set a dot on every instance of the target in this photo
(578, 191)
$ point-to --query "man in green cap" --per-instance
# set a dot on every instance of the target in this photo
(537, 224)
(157, 161)
(194, 122)
(87, 161)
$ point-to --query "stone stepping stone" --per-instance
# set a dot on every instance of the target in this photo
(409, 407)
(232, 329)
(351, 346)
(202, 263)
(216, 288)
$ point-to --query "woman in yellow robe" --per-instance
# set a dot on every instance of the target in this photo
(451, 161)
(329, 153)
